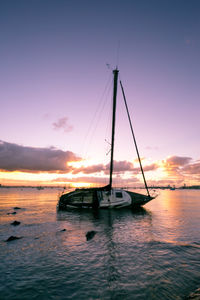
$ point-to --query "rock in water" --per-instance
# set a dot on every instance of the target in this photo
(15, 223)
(12, 238)
(90, 235)
(195, 295)
(16, 207)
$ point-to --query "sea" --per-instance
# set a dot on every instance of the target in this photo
(150, 253)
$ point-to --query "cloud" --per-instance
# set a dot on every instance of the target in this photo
(62, 124)
(178, 160)
(120, 167)
(97, 180)
(90, 169)
(147, 168)
(151, 167)
(193, 169)
(15, 157)
(182, 169)
(174, 164)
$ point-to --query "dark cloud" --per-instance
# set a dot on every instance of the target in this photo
(90, 169)
(122, 166)
(15, 157)
(178, 160)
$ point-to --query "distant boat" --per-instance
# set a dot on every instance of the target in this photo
(40, 188)
(107, 196)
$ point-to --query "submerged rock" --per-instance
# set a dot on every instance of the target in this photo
(90, 234)
(12, 213)
(62, 230)
(15, 223)
(12, 238)
(195, 295)
(16, 207)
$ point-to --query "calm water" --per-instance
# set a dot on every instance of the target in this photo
(150, 254)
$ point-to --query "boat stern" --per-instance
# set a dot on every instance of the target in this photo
(139, 199)
(79, 198)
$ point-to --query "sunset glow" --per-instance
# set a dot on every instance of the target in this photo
(56, 92)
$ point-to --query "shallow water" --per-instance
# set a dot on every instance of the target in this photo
(153, 253)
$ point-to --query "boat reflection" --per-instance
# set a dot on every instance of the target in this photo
(112, 245)
(111, 226)
(90, 214)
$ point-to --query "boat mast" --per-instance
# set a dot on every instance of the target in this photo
(129, 118)
(115, 73)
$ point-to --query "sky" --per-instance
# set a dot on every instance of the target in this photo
(56, 79)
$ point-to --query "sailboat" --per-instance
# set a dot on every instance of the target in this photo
(108, 196)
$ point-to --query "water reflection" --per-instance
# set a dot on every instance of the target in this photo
(113, 245)
(175, 215)
(133, 255)
(104, 220)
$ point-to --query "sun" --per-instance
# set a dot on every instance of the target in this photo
(80, 185)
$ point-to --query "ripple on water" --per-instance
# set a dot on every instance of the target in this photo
(153, 253)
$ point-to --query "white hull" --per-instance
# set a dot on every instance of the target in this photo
(115, 199)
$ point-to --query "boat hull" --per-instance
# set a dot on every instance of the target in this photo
(138, 199)
(101, 198)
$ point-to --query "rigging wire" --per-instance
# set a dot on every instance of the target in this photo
(96, 118)
(129, 118)
(108, 128)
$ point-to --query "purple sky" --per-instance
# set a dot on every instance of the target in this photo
(53, 79)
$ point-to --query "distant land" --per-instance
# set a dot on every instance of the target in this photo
(168, 187)
(32, 187)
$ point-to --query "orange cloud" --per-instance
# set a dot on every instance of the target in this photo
(174, 164)
(181, 170)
